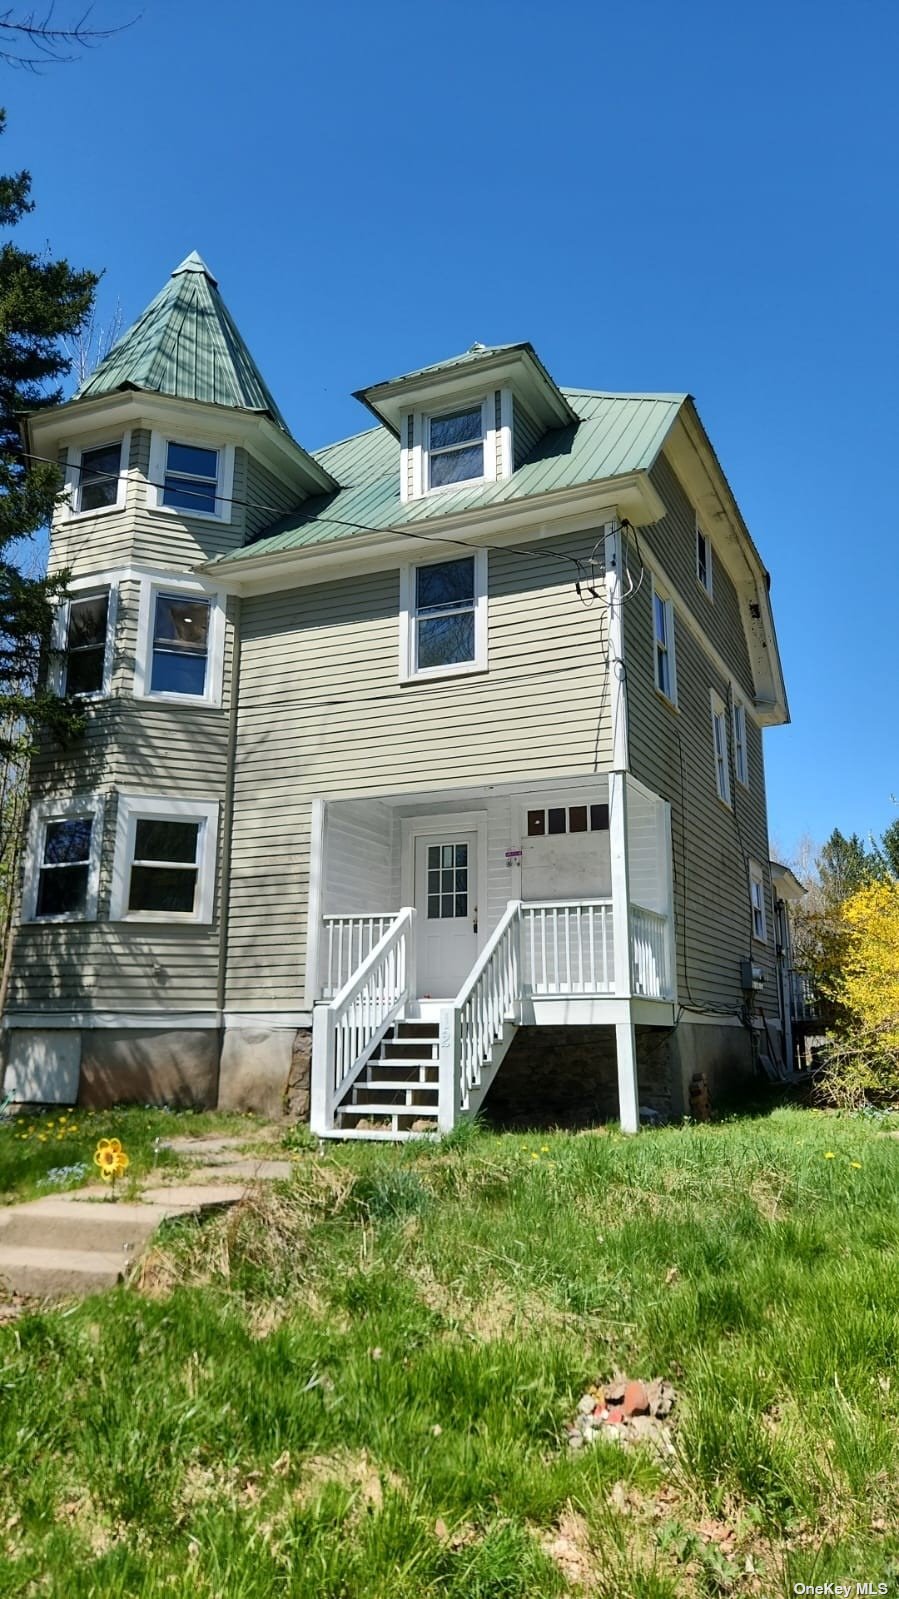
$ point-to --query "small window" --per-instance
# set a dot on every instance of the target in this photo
(63, 861)
(164, 859)
(85, 643)
(741, 757)
(456, 447)
(191, 478)
(663, 624)
(97, 478)
(757, 903)
(719, 746)
(447, 881)
(180, 654)
(703, 561)
(568, 819)
(164, 866)
(443, 617)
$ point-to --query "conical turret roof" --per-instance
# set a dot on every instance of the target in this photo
(186, 344)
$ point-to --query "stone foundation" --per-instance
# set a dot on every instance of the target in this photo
(267, 1071)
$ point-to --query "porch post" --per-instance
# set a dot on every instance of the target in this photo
(628, 1107)
(321, 1072)
(448, 1055)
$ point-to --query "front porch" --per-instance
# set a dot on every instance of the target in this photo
(443, 923)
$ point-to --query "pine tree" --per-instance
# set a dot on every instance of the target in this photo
(42, 303)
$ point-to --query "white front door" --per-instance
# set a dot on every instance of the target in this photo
(447, 912)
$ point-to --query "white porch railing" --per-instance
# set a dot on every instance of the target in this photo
(346, 941)
(348, 1030)
(476, 1030)
(568, 947)
(650, 953)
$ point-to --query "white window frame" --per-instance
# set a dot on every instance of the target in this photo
(85, 588)
(134, 808)
(757, 902)
(659, 592)
(72, 509)
(741, 744)
(708, 587)
(159, 443)
(720, 751)
(421, 422)
(409, 670)
(61, 810)
(152, 584)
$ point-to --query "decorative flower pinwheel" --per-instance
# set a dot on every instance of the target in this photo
(111, 1159)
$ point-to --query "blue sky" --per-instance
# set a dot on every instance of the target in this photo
(697, 197)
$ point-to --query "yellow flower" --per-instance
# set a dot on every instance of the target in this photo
(534, 1155)
(115, 1146)
(122, 1162)
(544, 1149)
(829, 1154)
(856, 1164)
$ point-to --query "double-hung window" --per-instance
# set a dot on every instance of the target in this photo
(180, 643)
(444, 617)
(704, 561)
(165, 859)
(741, 756)
(87, 620)
(455, 447)
(719, 748)
(663, 640)
(63, 860)
(757, 902)
(95, 478)
(191, 477)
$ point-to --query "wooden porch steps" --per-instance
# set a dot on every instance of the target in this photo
(396, 1095)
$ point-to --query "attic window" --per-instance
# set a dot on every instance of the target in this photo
(455, 447)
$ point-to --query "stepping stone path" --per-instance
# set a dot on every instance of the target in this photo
(76, 1243)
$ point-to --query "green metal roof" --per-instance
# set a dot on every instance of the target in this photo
(186, 344)
(615, 434)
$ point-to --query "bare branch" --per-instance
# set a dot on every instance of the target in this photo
(35, 39)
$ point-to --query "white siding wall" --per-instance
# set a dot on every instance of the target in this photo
(360, 871)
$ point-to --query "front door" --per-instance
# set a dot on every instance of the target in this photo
(447, 912)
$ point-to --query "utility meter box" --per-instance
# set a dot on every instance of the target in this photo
(751, 976)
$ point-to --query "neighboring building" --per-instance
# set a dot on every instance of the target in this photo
(441, 746)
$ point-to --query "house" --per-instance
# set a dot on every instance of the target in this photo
(418, 768)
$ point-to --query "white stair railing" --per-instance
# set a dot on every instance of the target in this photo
(346, 941)
(476, 1030)
(650, 949)
(347, 1030)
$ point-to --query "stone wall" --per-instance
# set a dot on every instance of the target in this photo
(568, 1077)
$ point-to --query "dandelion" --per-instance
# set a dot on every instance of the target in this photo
(856, 1165)
(111, 1159)
(534, 1155)
(829, 1154)
(544, 1149)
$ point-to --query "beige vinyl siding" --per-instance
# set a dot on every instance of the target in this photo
(525, 433)
(322, 712)
(267, 498)
(134, 746)
(359, 858)
(672, 753)
(673, 541)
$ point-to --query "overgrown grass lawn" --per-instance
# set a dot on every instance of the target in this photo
(356, 1386)
(53, 1151)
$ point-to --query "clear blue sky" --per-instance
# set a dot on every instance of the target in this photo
(694, 196)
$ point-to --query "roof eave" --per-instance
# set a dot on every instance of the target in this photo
(387, 401)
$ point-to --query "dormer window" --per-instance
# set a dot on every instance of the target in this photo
(455, 447)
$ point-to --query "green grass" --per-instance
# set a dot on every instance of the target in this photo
(356, 1386)
(31, 1147)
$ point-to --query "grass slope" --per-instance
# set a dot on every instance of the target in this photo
(356, 1386)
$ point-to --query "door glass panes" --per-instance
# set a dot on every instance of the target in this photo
(456, 447)
(164, 867)
(191, 478)
(86, 644)
(568, 819)
(180, 645)
(444, 610)
(62, 882)
(447, 880)
(99, 477)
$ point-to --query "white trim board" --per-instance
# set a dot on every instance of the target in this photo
(133, 808)
(53, 809)
(152, 585)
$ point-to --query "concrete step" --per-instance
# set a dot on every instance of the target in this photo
(115, 1229)
(252, 1168)
(55, 1273)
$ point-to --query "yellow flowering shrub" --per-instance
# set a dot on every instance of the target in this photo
(862, 1061)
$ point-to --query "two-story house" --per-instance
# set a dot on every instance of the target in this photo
(420, 766)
